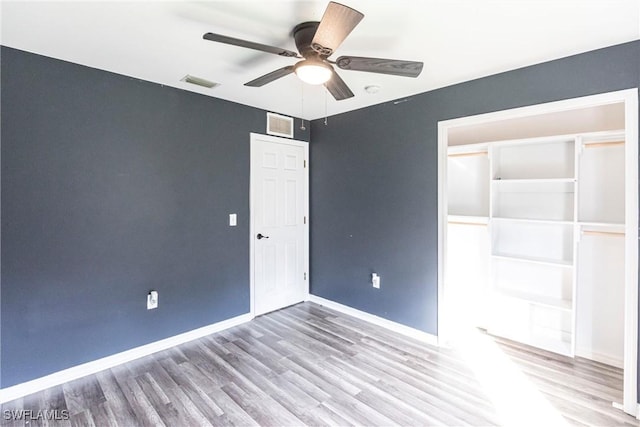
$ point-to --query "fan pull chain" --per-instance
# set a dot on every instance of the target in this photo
(325, 108)
(302, 127)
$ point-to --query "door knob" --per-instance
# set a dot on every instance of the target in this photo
(261, 236)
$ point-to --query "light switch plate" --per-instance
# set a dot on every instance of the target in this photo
(375, 280)
(233, 220)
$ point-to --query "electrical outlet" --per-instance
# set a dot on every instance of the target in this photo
(375, 280)
(152, 300)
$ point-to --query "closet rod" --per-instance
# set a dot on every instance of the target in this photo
(477, 153)
(602, 144)
(467, 223)
(603, 233)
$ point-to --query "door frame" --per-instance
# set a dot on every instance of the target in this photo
(630, 99)
(254, 137)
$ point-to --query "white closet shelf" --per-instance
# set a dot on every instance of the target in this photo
(468, 219)
(614, 226)
(534, 221)
(550, 302)
(534, 260)
(533, 180)
(605, 138)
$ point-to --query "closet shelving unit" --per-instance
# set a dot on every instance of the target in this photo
(533, 193)
(539, 197)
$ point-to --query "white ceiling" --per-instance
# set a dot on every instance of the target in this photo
(457, 40)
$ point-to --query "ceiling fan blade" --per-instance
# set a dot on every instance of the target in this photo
(251, 45)
(338, 88)
(381, 66)
(336, 24)
(268, 78)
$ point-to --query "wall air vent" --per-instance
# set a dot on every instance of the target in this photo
(279, 125)
(199, 81)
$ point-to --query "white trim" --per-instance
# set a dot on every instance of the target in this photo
(296, 143)
(376, 320)
(89, 368)
(630, 99)
(630, 388)
(443, 213)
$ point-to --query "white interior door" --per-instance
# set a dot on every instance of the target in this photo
(278, 216)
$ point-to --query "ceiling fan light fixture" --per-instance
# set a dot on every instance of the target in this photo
(313, 72)
(315, 42)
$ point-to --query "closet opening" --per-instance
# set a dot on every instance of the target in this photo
(538, 238)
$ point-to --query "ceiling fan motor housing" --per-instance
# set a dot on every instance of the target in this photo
(303, 35)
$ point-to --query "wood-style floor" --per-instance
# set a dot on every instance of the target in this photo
(309, 365)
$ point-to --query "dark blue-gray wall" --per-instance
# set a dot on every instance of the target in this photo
(111, 187)
(374, 180)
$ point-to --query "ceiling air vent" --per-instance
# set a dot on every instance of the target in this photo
(279, 125)
(199, 81)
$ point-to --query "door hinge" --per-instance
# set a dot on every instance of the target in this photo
(305, 163)
(304, 219)
(305, 276)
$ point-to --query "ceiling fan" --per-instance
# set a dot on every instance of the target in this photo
(316, 42)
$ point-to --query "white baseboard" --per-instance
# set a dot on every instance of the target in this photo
(89, 368)
(620, 406)
(618, 362)
(376, 320)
